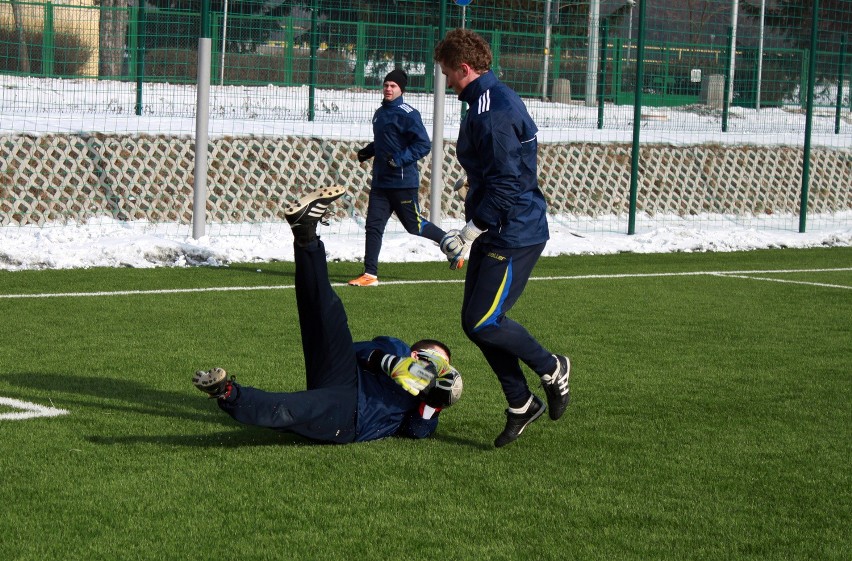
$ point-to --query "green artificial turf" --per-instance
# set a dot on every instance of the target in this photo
(710, 418)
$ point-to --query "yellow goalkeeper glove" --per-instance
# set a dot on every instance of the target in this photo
(412, 375)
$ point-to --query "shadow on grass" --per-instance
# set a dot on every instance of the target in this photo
(459, 441)
(69, 391)
(251, 437)
(241, 437)
(129, 397)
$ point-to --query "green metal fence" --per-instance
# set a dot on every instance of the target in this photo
(159, 45)
(712, 72)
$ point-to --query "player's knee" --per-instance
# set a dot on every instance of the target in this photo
(484, 336)
(478, 333)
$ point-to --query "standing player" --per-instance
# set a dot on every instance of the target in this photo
(399, 141)
(506, 230)
(355, 391)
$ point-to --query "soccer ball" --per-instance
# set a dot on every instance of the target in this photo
(446, 391)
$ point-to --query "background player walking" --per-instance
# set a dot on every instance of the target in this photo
(399, 141)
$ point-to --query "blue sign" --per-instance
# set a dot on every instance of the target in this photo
(462, 2)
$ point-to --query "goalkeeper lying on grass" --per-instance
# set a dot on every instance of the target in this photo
(355, 391)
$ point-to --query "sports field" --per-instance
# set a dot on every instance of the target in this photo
(711, 417)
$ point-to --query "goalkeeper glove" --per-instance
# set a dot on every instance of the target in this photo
(456, 244)
(412, 375)
(438, 362)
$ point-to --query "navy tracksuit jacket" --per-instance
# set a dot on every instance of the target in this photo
(398, 134)
(497, 147)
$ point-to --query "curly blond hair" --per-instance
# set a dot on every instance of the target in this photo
(464, 46)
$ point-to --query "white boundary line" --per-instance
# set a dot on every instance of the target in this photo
(733, 274)
(30, 410)
(824, 285)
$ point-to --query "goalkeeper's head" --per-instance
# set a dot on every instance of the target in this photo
(431, 345)
(446, 388)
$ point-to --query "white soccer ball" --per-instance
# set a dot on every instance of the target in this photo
(449, 387)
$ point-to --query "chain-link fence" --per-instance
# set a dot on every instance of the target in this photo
(83, 86)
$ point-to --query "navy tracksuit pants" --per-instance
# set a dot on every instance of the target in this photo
(494, 281)
(327, 409)
(402, 202)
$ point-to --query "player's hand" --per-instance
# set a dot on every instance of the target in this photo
(412, 375)
(364, 154)
(437, 360)
(391, 162)
(452, 246)
(456, 244)
(447, 387)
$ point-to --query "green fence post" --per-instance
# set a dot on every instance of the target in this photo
(557, 58)
(429, 77)
(803, 80)
(840, 73)
(312, 73)
(132, 40)
(360, 54)
(602, 79)
(755, 85)
(289, 50)
(216, 46)
(495, 52)
(809, 119)
(726, 95)
(617, 70)
(48, 42)
(139, 67)
(637, 119)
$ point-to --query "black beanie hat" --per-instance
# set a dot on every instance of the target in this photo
(399, 76)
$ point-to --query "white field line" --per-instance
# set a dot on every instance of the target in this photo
(28, 410)
(736, 274)
(32, 410)
(822, 284)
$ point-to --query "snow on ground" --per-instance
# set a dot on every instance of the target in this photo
(52, 106)
(110, 243)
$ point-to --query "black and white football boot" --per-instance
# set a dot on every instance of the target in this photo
(556, 387)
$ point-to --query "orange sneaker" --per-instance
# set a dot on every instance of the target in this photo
(365, 280)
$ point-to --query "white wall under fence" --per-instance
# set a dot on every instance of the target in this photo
(73, 178)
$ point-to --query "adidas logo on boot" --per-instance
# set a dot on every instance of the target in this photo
(556, 387)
